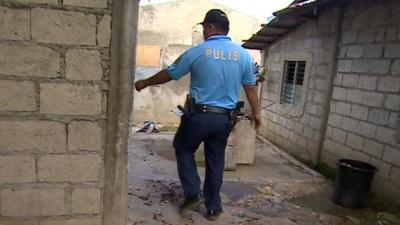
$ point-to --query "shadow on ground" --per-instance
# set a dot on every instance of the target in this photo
(275, 190)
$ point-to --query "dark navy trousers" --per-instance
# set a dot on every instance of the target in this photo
(213, 129)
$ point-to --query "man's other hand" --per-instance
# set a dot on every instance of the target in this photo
(140, 84)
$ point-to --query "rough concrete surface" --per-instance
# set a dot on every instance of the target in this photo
(275, 189)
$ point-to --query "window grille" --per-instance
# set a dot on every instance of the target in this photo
(293, 82)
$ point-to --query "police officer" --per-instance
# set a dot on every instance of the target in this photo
(217, 69)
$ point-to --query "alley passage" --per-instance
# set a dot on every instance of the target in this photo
(275, 190)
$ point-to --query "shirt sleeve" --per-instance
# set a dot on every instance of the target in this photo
(180, 67)
(248, 76)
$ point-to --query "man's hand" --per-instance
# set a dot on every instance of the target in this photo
(140, 84)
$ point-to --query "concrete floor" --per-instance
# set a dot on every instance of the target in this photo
(275, 190)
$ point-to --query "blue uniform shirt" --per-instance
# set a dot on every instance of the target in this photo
(218, 67)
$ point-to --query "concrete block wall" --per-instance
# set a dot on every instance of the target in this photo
(54, 69)
(364, 114)
(298, 128)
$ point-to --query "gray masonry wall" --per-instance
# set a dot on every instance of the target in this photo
(298, 128)
(364, 113)
(54, 68)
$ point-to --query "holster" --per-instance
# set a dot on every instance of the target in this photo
(189, 104)
(233, 116)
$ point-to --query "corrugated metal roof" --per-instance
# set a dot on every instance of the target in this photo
(286, 20)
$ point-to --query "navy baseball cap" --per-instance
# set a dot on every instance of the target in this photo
(216, 16)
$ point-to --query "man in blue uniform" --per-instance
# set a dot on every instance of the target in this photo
(218, 68)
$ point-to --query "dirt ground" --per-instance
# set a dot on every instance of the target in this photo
(274, 190)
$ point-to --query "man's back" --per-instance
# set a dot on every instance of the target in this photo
(218, 68)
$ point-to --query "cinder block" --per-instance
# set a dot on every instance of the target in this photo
(366, 129)
(349, 37)
(392, 155)
(359, 112)
(355, 51)
(343, 108)
(367, 82)
(389, 84)
(339, 79)
(83, 65)
(63, 27)
(285, 133)
(322, 70)
(339, 150)
(391, 33)
(14, 24)
(345, 66)
(32, 202)
(354, 95)
(87, 3)
(86, 201)
(373, 148)
(17, 96)
(360, 66)
(373, 51)
(379, 66)
(104, 31)
(84, 135)
(395, 68)
(392, 102)
(36, 136)
(378, 116)
(367, 35)
(393, 118)
(339, 93)
(339, 135)
(392, 50)
(28, 60)
(69, 168)
(350, 124)
(72, 222)
(361, 20)
(350, 80)
(373, 99)
(335, 120)
(321, 84)
(357, 155)
(386, 135)
(70, 99)
(17, 169)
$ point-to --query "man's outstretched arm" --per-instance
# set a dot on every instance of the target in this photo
(252, 97)
(158, 78)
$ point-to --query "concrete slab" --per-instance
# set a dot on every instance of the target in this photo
(276, 189)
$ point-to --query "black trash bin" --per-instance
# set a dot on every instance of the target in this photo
(353, 183)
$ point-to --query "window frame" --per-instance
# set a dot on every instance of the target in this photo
(295, 109)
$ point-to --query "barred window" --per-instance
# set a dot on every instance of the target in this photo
(293, 82)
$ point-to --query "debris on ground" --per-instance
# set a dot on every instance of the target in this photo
(149, 127)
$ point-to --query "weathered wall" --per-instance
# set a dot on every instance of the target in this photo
(298, 128)
(54, 63)
(173, 27)
(364, 113)
(363, 110)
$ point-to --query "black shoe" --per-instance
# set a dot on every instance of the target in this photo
(190, 203)
(213, 215)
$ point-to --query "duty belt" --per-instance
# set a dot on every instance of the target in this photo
(211, 109)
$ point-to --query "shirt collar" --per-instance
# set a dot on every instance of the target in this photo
(218, 37)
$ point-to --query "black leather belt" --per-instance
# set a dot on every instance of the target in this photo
(211, 109)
